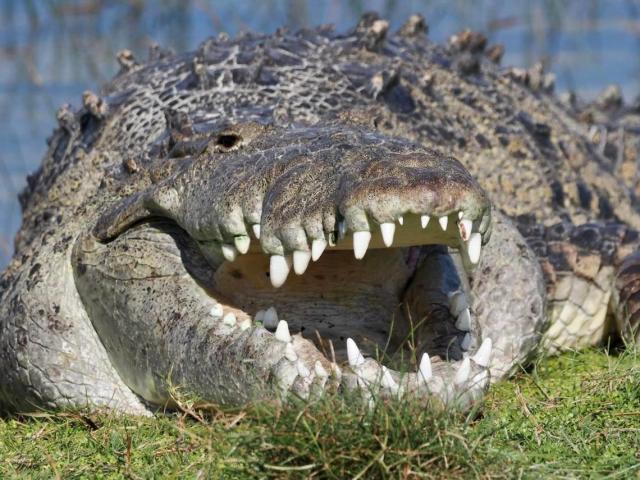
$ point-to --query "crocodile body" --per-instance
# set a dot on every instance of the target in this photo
(306, 210)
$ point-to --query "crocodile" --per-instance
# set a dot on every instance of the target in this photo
(365, 213)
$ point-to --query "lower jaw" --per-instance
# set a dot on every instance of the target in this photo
(379, 319)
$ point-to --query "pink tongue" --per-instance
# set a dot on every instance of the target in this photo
(412, 255)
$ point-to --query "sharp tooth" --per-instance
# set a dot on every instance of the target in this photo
(303, 371)
(229, 252)
(270, 318)
(256, 230)
(317, 247)
(216, 311)
(443, 221)
(464, 320)
(282, 332)
(336, 371)
(460, 213)
(463, 372)
(320, 370)
(259, 316)
(301, 260)
(425, 367)
(245, 324)
(424, 220)
(360, 243)
(388, 230)
(387, 379)
(483, 355)
(474, 246)
(466, 342)
(457, 303)
(331, 238)
(229, 319)
(342, 229)
(353, 353)
(465, 229)
(279, 267)
(289, 353)
(242, 243)
(401, 220)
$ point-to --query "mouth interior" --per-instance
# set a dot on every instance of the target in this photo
(396, 303)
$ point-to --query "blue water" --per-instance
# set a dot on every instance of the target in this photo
(51, 51)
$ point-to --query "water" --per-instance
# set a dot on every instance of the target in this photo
(51, 51)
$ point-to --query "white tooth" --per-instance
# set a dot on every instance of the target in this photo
(424, 220)
(457, 303)
(259, 316)
(353, 353)
(245, 324)
(444, 221)
(229, 319)
(270, 318)
(361, 243)
(279, 267)
(342, 229)
(387, 379)
(282, 332)
(465, 229)
(242, 243)
(401, 220)
(317, 247)
(289, 353)
(460, 213)
(331, 239)
(216, 311)
(483, 355)
(229, 252)
(474, 247)
(303, 371)
(388, 230)
(463, 372)
(336, 371)
(301, 260)
(425, 367)
(466, 342)
(256, 230)
(464, 320)
(320, 370)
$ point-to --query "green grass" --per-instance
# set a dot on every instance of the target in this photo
(576, 416)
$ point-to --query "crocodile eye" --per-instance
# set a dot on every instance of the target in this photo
(228, 141)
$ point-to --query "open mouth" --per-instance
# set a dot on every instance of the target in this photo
(391, 303)
(352, 248)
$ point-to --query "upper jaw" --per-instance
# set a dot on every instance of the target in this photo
(408, 230)
(293, 192)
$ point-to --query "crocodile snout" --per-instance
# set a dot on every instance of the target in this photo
(292, 193)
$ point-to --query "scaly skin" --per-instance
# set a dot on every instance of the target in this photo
(165, 210)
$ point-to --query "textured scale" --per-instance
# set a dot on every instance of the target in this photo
(530, 152)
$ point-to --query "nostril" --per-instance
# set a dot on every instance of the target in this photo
(228, 141)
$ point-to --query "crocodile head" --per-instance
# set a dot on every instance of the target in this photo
(275, 210)
(353, 241)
